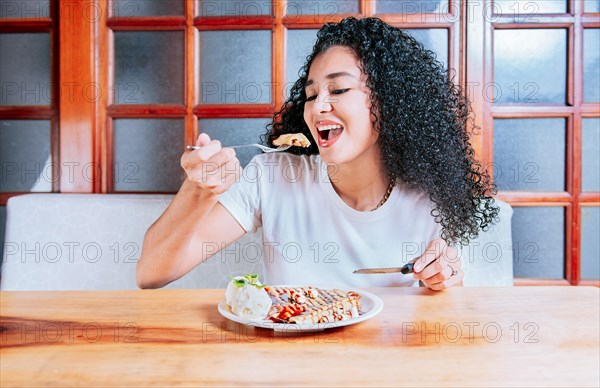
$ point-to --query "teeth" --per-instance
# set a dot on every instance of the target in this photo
(329, 127)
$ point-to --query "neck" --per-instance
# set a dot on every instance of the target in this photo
(360, 184)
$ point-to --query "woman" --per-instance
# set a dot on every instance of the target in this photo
(390, 174)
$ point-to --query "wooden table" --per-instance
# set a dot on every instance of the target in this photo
(522, 336)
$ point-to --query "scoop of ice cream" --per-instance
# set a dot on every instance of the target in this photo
(249, 301)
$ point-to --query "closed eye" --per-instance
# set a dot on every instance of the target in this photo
(339, 91)
(311, 98)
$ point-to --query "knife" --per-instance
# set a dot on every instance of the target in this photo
(406, 269)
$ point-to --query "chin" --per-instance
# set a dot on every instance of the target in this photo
(335, 158)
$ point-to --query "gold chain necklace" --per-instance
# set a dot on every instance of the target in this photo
(389, 190)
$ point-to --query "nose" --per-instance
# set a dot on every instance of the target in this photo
(323, 103)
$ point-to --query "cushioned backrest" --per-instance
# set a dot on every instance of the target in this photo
(93, 241)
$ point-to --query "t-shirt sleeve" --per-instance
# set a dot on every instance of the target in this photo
(242, 200)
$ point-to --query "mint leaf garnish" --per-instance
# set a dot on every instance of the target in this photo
(239, 282)
(248, 279)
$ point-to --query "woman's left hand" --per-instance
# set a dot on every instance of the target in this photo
(439, 266)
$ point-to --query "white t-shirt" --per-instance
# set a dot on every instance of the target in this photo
(311, 236)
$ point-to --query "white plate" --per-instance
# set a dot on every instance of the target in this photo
(370, 306)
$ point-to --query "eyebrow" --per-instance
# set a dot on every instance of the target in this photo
(332, 76)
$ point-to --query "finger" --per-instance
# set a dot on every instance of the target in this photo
(191, 159)
(200, 155)
(452, 256)
(431, 253)
(432, 269)
(203, 140)
(222, 157)
(435, 267)
(212, 172)
(453, 281)
(440, 277)
(235, 171)
(209, 150)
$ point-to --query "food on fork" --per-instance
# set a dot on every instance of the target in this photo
(292, 139)
(248, 298)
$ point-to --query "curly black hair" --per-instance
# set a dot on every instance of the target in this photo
(421, 116)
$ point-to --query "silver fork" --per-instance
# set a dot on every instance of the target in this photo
(262, 147)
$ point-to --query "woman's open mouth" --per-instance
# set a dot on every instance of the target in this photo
(328, 134)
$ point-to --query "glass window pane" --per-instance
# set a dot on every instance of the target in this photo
(147, 154)
(25, 155)
(529, 8)
(530, 66)
(530, 154)
(591, 6)
(25, 69)
(149, 67)
(591, 65)
(133, 8)
(412, 6)
(321, 7)
(21, 9)
(590, 180)
(235, 67)
(208, 8)
(434, 39)
(538, 242)
(590, 244)
(236, 131)
(299, 45)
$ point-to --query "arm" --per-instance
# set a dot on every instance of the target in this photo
(176, 242)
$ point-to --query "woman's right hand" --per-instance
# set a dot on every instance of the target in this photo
(211, 168)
